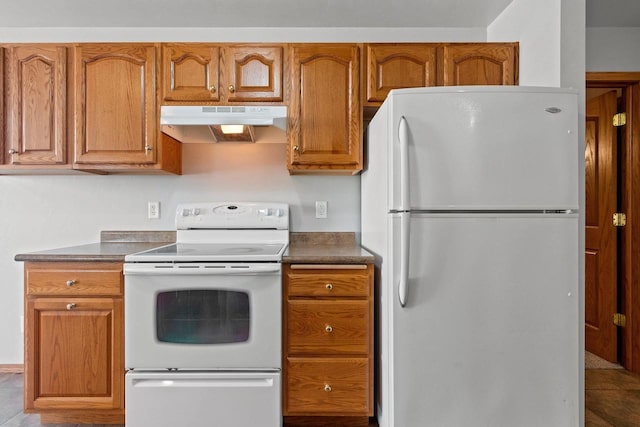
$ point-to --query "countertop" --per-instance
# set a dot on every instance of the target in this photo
(310, 248)
(325, 248)
(113, 246)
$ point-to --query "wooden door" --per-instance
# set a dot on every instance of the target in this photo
(480, 64)
(325, 115)
(252, 73)
(392, 66)
(75, 353)
(190, 72)
(115, 108)
(36, 105)
(600, 235)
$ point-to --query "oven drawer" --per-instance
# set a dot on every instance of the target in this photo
(327, 386)
(337, 283)
(328, 326)
(95, 278)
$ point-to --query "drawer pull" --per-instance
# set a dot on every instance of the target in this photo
(327, 388)
(71, 306)
(329, 286)
(328, 328)
(71, 282)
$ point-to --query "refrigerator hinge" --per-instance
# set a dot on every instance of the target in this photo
(620, 119)
(619, 320)
(619, 219)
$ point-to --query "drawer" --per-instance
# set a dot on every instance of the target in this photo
(336, 386)
(325, 283)
(328, 327)
(74, 278)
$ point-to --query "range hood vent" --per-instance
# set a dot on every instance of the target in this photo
(205, 124)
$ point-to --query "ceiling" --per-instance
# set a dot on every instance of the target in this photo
(286, 13)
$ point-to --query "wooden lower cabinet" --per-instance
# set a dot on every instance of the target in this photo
(328, 340)
(74, 342)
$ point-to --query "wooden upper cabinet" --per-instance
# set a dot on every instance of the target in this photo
(194, 72)
(115, 105)
(36, 97)
(393, 66)
(480, 64)
(325, 117)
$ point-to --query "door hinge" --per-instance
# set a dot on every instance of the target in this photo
(619, 320)
(619, 219)
(620, 119)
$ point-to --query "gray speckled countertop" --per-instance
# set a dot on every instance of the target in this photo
(113, 246)
(325, 248)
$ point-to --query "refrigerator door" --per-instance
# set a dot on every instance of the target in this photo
(481, 148)
(488, 333)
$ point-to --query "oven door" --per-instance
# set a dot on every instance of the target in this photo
(203, 316)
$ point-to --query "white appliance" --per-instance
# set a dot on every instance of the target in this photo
(203, 320)
(470, 202)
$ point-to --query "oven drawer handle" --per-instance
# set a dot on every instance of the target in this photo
(198, 270)
(209, 383)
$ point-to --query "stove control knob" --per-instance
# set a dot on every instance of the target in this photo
(196, 211)
(264, 211)
(279, 212)
(186, 212)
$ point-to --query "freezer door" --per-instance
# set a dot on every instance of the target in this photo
(488, 335)
(485, 148)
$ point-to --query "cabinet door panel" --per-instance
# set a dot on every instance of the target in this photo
(190, 72)
(480, 64)
(325, 117)
(74, 348)
(36, 105)
(115, 104)
(398, 66)
(253, 73)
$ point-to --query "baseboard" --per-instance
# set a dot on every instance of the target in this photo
(15, 369)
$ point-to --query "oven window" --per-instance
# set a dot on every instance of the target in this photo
(202, 317)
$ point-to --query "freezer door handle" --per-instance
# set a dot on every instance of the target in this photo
(403, 137)
(405, 233)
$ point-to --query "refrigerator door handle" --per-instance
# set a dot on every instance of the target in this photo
(405, 233)
(403, 137)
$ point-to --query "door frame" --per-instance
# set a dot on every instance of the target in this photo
(629, 243)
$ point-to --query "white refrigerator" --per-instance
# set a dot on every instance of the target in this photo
(470, 204)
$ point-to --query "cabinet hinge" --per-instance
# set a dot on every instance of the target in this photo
(619, 320)
(619, 219)
(620, 119)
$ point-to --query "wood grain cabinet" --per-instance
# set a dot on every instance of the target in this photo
(222, 73)
(398, 65)
(328, 340)
(325, 116)
(480, 64)
(74, 342)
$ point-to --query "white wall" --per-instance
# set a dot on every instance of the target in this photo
(45, 212)
(536, 25)
(613, 49)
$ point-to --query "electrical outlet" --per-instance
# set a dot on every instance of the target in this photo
(321, 209)
(153, 210)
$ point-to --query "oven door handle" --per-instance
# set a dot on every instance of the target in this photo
(199, 269)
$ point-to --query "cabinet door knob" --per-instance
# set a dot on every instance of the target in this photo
(212, 89)
(71, 282)
(232, 88)
(328, 328)
(147, 148)
(329, 286)
(13, 151)
(296, 148)
(71, 306)
(327, 388)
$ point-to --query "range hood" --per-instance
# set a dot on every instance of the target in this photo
(211, 124)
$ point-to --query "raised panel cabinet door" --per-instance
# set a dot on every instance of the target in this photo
(36, 105)
(115, 108)
(394, 66)
(480, 64)
(74, 349)
(252, 73)
(190, 72)
(325, 115)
